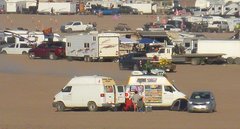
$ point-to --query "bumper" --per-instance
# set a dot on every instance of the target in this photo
(199, 108)
(111, 105)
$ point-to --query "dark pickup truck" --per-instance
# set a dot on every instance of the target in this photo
(138, 60)
(52, 50)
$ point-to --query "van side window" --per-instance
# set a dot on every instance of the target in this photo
(109, 89)
(67, 89)
(120, 88)
(169, 89)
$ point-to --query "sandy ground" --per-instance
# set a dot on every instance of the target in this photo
(28, 86)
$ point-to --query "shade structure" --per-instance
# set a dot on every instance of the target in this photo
(148, 41)
(127, 40)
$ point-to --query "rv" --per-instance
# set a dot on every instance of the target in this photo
(57, 8)
(93, 47)
(156, 90)
(93, 92)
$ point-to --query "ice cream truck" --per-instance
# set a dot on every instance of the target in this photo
(156, 91)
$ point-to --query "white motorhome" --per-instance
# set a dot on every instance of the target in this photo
(104, 3)
(143, 8)
(93, 47)
(93, 92)
(156, 90)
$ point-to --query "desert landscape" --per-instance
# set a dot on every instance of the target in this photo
(28, 87)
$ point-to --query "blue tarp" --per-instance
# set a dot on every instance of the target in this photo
(148, 40)
(127, 40)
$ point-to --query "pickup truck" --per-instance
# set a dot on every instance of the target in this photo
(139, 61)
(52, 50)
(76, 26)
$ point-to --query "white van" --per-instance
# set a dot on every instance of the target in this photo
(92, 92)
(156, 91)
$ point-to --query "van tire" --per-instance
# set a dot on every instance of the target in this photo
(92, 107)
(237, 60)
(60, 106)
(52, 56)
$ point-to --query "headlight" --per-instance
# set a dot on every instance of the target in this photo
(190, 102)
(208, 102)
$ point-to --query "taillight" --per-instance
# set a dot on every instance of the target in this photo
(102, 95)
(126, 94)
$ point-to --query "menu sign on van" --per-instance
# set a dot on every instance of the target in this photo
(108, 81)
(141, 80)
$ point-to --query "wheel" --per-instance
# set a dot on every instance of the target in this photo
(196, 61)
(92, 107)
(31, 55)
(90, 59)
(3, 52)
(237, 60)
(24, 53)
(69, 30)
(60, 107)
(135, 67)
(230, 60)
(52, 56)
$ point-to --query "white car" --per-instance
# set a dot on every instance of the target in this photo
(17, 48)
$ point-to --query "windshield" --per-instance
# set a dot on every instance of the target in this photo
(200, 95)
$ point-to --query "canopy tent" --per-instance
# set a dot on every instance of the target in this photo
(127, 40)
(148, 40)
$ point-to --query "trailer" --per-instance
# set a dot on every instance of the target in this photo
(93, 47)
(57, 8)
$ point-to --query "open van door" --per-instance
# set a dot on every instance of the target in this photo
(119, 94)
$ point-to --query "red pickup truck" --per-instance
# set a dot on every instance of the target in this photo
(53, 50)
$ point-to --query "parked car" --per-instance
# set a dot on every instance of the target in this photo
(122, 27)
(128, 10)
(202, 101)
(52, 50)
(218, 26)
(16, 48)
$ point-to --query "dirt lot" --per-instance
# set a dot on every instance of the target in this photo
(40, 22)
(28, 86)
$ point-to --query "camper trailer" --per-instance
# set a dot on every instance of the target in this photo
(93, 47)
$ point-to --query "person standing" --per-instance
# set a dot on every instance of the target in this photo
(135, 98)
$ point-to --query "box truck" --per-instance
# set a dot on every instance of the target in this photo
(202, 51)
(93, 92)
(93, 47)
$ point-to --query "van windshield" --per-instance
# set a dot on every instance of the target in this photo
(108, 89)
